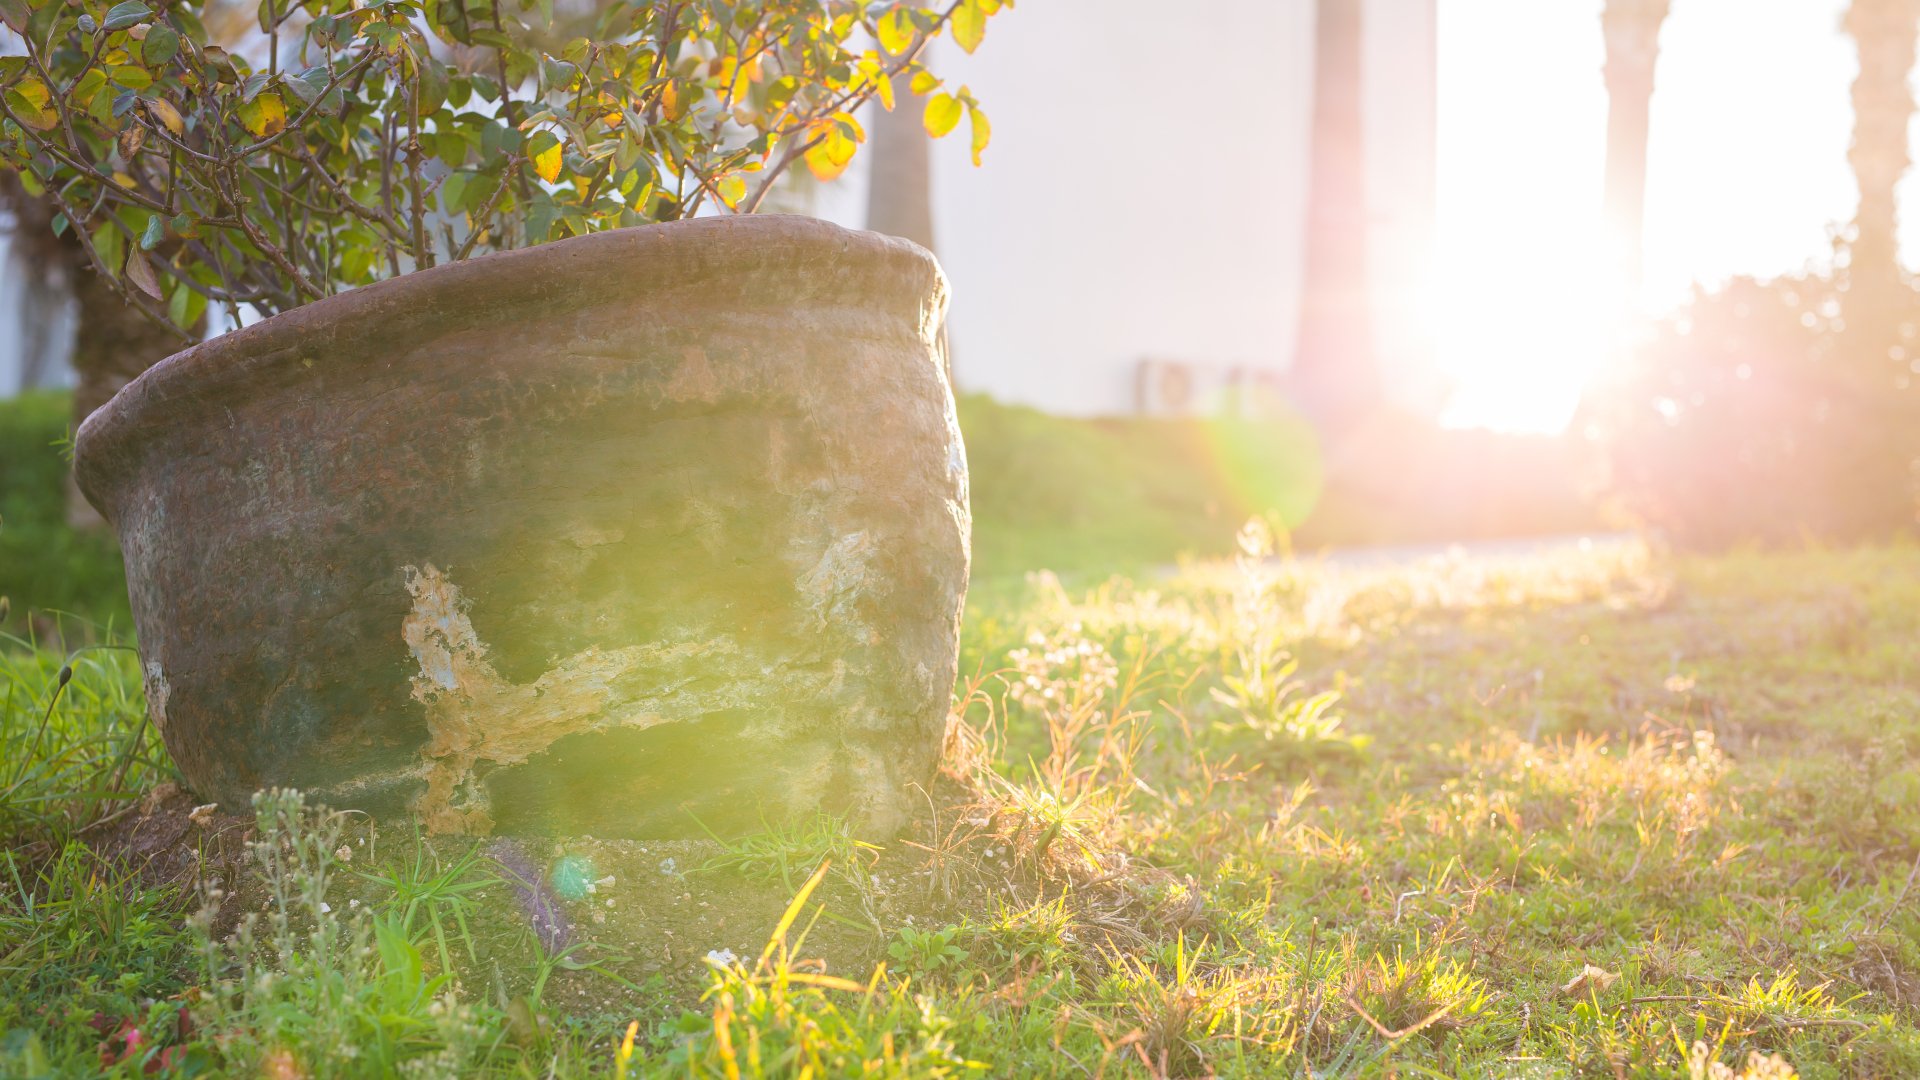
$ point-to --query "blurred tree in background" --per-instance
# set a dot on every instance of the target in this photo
(1762, 413)
(1785, 410)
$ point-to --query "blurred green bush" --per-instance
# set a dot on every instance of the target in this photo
(45, 566)
(1773, 412)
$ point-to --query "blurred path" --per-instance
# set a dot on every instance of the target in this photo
(1357, 558)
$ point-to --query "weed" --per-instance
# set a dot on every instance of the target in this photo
(927, 953)
(784, 853)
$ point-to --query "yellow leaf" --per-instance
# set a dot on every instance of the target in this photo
(828, 158)
(265, 115)
(166, 115)
(923, 81)
(28, 102)
(884, 87)
(895, 31)
(546, 159)
(732, 189)
(969, 25)
(670, 100)
(125, 181)
(943, 112)
(982, 131)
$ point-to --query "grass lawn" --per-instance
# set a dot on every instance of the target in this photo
(1573, 815)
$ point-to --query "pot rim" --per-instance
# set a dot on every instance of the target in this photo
(497, 286)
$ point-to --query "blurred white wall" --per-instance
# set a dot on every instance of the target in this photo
(1144, 193)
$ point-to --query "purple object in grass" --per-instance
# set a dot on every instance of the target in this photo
(543, 909)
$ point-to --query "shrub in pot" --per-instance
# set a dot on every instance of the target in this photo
(630, 529)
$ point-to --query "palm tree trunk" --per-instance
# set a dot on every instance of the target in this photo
(1632, 29)
(1334, 373)
(1883, 32)
(900, 180)
(900, 189)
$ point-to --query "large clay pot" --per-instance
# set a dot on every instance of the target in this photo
(603, 536)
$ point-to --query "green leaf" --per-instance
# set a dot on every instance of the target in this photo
(543, 150)
(969, 25)
(433, 86)
(943, 112)
(559, 73)
(121, 16)
(89, 85)
(186, 307)
(132, 77)
(452, 190)
(107, 244)
(162, 45)
(155, 232)
(15, 14)
(307, 85)
(188, 23)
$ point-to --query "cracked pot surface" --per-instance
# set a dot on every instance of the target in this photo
(620, 535)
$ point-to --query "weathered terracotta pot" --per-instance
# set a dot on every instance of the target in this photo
(597, 537)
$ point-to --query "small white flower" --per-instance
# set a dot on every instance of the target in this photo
(345, 854)
(353, 905)
(325, 908)
(722, 958)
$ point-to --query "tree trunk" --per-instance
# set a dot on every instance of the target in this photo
(1883, 32)
(900, 181)
(113, 342)
(1632, 29)
(1334, 373)
(900, 190)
